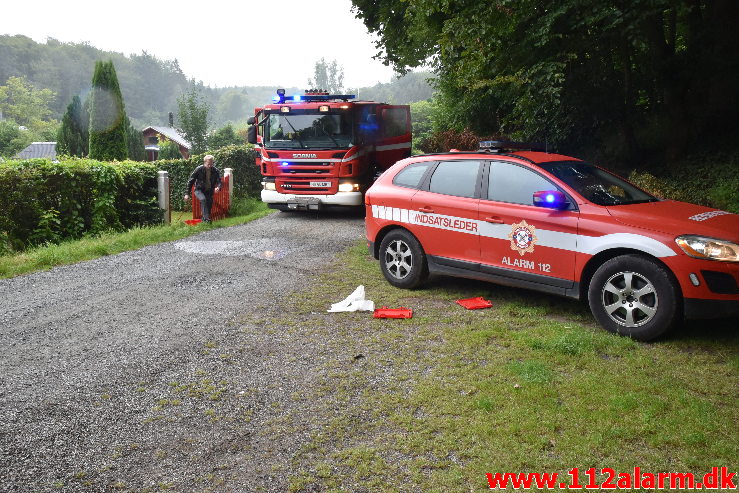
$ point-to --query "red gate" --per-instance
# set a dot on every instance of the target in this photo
(221, 202)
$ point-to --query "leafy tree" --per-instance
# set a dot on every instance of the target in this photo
(223, 137)
(135, 142)
(12, 139)
(624, 75)
(327, 76)
(108, 121)
(21, 102)
(169, 150)
(423, 114)
(194, 119)
(73, 138)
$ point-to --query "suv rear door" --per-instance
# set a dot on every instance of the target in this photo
(445, 210)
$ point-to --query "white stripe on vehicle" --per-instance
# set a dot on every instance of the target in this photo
(590, 245)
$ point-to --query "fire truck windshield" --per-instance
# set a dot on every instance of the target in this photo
(308, 129)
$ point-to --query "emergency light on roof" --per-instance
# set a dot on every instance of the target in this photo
(311, 96)
(500, 145)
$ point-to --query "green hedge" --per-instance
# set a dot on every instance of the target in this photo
(247, 178)
(44, 202)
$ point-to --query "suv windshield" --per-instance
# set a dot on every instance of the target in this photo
(597, 185)
(308, 130)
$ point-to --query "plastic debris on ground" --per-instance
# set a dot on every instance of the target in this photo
(353, 303)
(475, 303)
(193, 222)
(386, 312)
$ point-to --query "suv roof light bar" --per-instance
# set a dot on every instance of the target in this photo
(500, 145)
(309, 96)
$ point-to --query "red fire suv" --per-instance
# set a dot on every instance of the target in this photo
(555, 224)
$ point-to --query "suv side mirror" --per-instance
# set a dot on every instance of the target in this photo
(251, 134)
(551, 199)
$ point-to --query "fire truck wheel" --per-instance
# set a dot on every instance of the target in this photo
(635, 296)
(402, 260)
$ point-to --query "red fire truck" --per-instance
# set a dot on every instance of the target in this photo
(318, 149)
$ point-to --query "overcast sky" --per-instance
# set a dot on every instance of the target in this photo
(221, 42)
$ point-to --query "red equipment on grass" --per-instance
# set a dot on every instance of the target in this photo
(475, 303)
(386, 312)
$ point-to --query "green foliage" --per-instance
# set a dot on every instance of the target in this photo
(709, 180)
(23, 103)
(73, 138)
(423, 115)
(134, 142)
(225, 136)
(108, 136)
(193, 119)
(47, 202)
(168, 150)
(327, 76)
(13, 139)
(646, 75)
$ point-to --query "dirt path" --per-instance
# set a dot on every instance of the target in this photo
(136, 372)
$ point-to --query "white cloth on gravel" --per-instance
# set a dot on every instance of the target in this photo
(353, 303)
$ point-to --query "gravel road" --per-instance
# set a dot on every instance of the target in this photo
(126, 373)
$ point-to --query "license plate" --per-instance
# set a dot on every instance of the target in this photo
(320, 184)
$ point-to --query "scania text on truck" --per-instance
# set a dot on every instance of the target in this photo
(318, 149)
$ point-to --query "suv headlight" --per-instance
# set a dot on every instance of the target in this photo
(708, 248)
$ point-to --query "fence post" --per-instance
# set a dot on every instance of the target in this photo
(230, 173)
(163, 187)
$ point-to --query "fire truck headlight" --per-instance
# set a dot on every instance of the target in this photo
(708, 248)
(348, 187)
(269, 185)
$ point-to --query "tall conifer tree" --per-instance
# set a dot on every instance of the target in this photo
(73, 136)
(108, 135)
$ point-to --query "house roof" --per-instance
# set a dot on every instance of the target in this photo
(38, 150)
(172, 134)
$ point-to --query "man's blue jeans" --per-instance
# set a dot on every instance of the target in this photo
(206, 202)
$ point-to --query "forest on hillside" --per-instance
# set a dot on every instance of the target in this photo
(151, 86)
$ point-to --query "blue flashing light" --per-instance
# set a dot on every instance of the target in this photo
(276, 99)
(550, 198)
(296, 97)
(284, 163)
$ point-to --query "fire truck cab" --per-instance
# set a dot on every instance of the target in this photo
(318, 149)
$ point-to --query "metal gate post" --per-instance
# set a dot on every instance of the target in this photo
(230, 173)
(163, 188)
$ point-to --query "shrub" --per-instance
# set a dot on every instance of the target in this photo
(708, 180)
(45, 202)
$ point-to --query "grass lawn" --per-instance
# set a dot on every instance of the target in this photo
(435, 402)
(69, 252)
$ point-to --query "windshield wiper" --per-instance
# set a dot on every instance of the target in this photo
(336, 143)
(297, 135)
